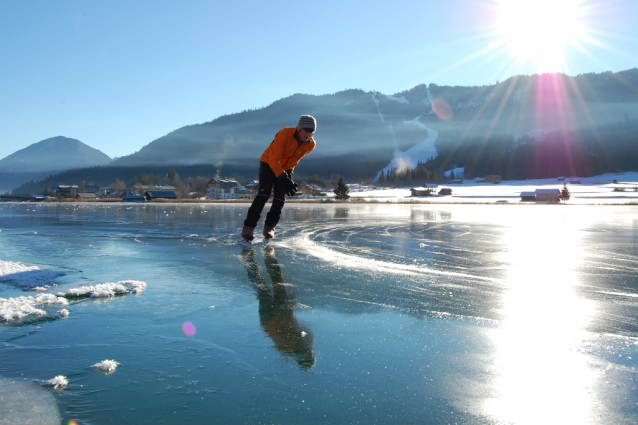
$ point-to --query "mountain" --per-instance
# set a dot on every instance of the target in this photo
(47, 157)
(523, 127)
(364, 131)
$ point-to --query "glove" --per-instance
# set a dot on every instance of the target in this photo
(290, 187)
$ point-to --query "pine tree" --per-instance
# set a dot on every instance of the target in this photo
(341, 190)
(564, 194)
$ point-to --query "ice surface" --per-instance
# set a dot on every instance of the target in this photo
(23, 402)
(408, 314)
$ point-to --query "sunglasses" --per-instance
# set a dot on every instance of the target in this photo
(309, 130)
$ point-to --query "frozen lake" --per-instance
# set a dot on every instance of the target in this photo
(362, 313)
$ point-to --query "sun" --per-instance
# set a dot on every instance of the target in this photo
(539, 31)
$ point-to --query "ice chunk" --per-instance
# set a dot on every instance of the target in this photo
(58, 382)
(107, 366)
(29, 307)
(105, 290)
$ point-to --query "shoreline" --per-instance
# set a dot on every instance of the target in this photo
(329, 201)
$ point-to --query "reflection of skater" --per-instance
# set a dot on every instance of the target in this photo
(276, 311)
(275, 170)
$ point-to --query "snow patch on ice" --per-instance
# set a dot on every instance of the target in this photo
(48, 306)
(106, 290)
(58, 382)
(40, 306)
(107, 366)
(28, 277)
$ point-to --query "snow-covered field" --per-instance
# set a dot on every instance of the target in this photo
(591, 191)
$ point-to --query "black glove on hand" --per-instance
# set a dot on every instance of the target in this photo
(290, 187)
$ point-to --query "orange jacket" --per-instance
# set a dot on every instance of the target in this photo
(285, 152)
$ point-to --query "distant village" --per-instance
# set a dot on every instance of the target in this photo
(217, 188)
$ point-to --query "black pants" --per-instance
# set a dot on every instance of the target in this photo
(267, 181)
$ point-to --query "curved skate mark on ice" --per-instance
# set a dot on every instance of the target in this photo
(356, 262)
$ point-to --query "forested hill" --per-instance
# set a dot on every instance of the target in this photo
(46, 157)
(524, 127)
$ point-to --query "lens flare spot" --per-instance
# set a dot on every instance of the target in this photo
(442, 109)
(189, 328)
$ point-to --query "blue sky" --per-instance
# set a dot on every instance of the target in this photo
(118, 74)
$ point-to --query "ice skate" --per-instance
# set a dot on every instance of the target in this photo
(247, 234)
(269, 232)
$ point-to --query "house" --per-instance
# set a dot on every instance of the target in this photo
(160, 194)
(457, 181)
(225, 189)
(66, 191)
(86, 195)
(445, 191)
(528, 197)
(252, 187)
(547, 195)
(574, 181)
(490, 178)
(311, 189)
(561, 179)
(426, 190)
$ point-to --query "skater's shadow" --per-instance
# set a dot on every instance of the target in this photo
(276, 310)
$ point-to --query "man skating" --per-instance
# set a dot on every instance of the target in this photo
(276, 168)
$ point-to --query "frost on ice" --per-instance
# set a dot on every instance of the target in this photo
(28, 277)
(49, 306)
(105, 290)
(40, 306)
(107, 366)
(58, 382)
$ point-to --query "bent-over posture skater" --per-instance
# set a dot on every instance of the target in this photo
(276, 168)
